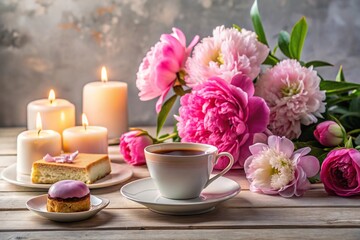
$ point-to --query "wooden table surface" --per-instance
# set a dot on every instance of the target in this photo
(246, 216)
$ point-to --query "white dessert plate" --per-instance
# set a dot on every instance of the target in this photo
(38, 206)
(145, 192)
(119, 173)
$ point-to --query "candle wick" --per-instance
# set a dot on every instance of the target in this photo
(85, 127)
(39, 132)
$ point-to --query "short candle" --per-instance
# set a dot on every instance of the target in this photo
(57, 114)
(105, 104)
(85, 139)
(33, 145)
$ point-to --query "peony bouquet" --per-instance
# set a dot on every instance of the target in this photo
(269, 108)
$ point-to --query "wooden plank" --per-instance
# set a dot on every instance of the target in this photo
(246, 199)
(224, 218)
(7, 161)
(232, 234)
(8, 140)
(11, 132)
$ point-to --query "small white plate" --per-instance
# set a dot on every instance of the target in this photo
(145, 192)
(38, 206)
(119, 173)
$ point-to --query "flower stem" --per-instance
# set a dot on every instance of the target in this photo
(354, 131)
(171, 135)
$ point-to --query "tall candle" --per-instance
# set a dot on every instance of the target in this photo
(85, 139)
(105, 104)
(33, 145)
(57, 114)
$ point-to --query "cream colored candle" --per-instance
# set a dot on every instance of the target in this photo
(33, 145)
(57, 114)
(85, 139)
(105, 104)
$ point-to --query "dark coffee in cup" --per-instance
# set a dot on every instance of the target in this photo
(180, 152)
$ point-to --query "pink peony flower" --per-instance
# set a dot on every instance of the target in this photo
(225, 54)
(225, 115)
(157, 72)
(262, 137)
(132, 147)
(340, 172)
(329, 134)
(292, 92)
(275, 168)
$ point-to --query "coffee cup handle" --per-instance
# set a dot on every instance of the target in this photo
(225, 170)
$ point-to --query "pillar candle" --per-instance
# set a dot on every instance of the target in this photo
(57, 114)
(85, 139)
(105, 104)
(33, 145)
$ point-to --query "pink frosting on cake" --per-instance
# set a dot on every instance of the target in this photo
(68, 189)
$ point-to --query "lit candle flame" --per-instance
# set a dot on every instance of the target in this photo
(104, 77)
(52, 96)
(38, 123)
(85, 122)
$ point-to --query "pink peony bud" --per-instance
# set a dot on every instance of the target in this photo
(340, 172)
(329, 134)
(132, 147)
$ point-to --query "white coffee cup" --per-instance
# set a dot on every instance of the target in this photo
(182, 170)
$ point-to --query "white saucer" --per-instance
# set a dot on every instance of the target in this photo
(119, 173)
(38, 206)
(145, 192)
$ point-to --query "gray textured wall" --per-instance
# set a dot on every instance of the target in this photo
(61, 44)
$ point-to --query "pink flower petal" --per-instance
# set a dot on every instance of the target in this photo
(179, 35)
(161, 99)
(258, 115)
(257, 148)
(192, 44)
(244, 82)
(281, 144)
(288, 191)
(310, 165)
(303, 151)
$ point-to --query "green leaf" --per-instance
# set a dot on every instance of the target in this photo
(237, 27)
(340, 75)
(357, 140)
(165, 109)
(256, 20)
(271, 60)
(315, 179)
(333, 87)
(164, 135)
(339, 110)
(350, 114)
(297, 38)
(283, 42)
(348, 143)
(274, 50)
(317, 63)
(177, 137)
(355, 105)
(331, 102)
(316, 149)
